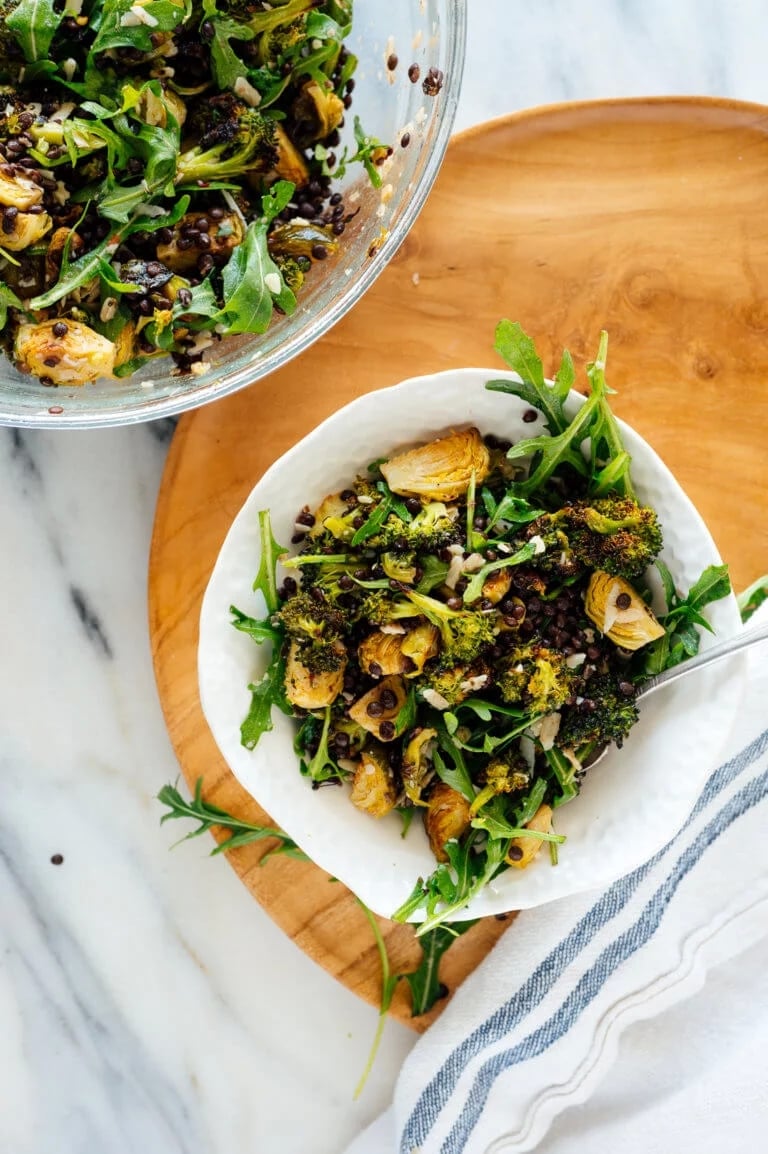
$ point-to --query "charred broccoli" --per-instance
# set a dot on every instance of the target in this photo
(464, 633)
(307, 619)
(452, 683)
(507, 773)
(607, 715)
(537, 677)
(613, 533)
(237, 139)
(432, 529)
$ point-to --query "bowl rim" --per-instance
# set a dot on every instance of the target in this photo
(294, 345)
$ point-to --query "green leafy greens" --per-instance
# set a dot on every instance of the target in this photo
(194, 140)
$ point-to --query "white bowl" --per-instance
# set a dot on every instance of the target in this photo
(629, 806)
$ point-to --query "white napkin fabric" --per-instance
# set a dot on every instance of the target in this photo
(536, 1027)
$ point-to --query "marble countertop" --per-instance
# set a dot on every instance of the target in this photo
(147, 1004)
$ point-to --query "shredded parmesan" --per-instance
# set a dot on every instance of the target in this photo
(245, 90)
(435, 699)
(550, 726)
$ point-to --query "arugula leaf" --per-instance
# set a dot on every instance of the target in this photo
(201, 302)
(165, 16)
(74, 274)
(609, 460)
(499, 827)
(367, 147)
(434, 572)
(512, 509)
(608, 467)
(564, 772)
(271, 552)
(388, 984)
(265, 694)
(226, 65)
(424, 981)
(8, 299)
(519, 351)
(474, 587)
(406, 717)
(320, 766)
(753, 597)
(259, 630)
(34, 23)
(208, 816)
(252, 283)
(681, 638)
(457, 777)
(373, 522)
(451, 889)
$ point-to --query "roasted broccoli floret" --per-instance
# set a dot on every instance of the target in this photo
(307, 619)
(454, 683)
(275, 44)
(293, 270)
(507, 773)
(11, 55)
(434, 527)
(606, 715)
(322, 656)
(236, 139)
(613, 533)
(537, 677)
(317, 111)
(464, 633)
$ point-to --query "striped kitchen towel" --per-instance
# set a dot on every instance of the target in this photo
(536, 1027)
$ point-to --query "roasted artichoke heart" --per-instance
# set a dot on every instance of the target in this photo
(381, 654)
(309, 689)
(619, 612)
(404, 653)
(19, 192)
(416, 769)
(497, 585)
(373, 783)
(225, 235)
(28, 228)
(522, 850)
(441, 470)
(75, 356)
(290, 164)
(418, 645)
(377, 709)
(446, 817)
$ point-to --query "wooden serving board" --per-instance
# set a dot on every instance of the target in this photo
(648, 218)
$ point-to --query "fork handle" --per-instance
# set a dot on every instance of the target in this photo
(743, 640)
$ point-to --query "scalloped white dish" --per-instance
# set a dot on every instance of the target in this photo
(629, 806)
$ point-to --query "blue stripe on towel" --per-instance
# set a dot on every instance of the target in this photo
(593, 980)
(435, 1095)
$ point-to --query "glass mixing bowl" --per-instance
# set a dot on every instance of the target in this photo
(430, 33)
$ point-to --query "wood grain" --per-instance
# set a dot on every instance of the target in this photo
(644, 217)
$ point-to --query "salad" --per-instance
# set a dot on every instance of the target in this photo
(165, 174)
(466, 624)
